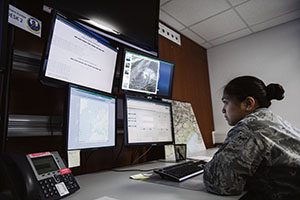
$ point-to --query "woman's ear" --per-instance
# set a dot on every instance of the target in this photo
(250, 104)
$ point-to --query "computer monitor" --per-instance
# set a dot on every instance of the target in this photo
(147, 74)
(75, 55)
(91, 119)
(147, 122)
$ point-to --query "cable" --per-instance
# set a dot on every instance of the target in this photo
(133, 154)
(51, 125)
(122, 146)
(133, 170)
(180, 154)
(142, 155)
(87, 158)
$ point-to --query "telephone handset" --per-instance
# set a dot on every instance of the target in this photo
(38, 176)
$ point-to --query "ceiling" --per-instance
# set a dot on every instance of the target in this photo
(213, 22)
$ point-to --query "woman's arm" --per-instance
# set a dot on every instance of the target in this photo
(238, 158)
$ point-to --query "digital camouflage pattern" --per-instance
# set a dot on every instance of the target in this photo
(261, 154)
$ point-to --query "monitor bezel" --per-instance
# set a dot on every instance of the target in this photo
(62, 83)
(130, 92)
(157, 143)
(67, 119)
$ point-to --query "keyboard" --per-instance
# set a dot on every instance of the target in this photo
(182, 171)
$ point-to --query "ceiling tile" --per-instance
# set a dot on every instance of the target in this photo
(170, 21)
(257, 11)
(219, 25)
(231, 37)
(236, 2)
(276, 21)
(192, 11)
(188, 33)
(206, 45)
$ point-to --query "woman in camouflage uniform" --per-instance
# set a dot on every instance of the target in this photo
(261, 154)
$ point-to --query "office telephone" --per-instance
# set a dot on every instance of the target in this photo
(37, 176)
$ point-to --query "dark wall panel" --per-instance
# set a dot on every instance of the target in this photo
(191, 82)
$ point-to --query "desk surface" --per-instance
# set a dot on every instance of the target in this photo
(117, 185)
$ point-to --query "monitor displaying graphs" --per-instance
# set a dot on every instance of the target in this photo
(91, 119)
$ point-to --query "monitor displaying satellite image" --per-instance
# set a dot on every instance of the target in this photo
(146, 74)
(141, 74)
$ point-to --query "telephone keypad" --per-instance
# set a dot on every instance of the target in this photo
(70, 182)
(50, 191)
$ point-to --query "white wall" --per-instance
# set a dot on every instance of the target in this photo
(272, 55)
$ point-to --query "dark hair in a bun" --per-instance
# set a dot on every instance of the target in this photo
(244, 86)
(275, 91)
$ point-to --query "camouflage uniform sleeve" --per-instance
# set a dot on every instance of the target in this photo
(237, 159)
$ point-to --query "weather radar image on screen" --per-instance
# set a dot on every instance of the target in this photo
(146, 74)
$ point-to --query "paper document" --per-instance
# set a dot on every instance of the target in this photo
(106, 198)
(74, 158)
(140, 176)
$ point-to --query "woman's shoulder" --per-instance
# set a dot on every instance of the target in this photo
(264, 121)
(259, 116)
(260, 119)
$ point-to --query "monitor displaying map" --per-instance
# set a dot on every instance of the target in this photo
(147, 74)
(186, 130)
(91, 119)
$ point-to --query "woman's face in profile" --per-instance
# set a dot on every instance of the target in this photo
(233, 111)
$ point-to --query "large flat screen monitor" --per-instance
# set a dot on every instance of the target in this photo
(133, 23)
(75, 55)
(91, 119)
(146, 74)
(147, 122)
